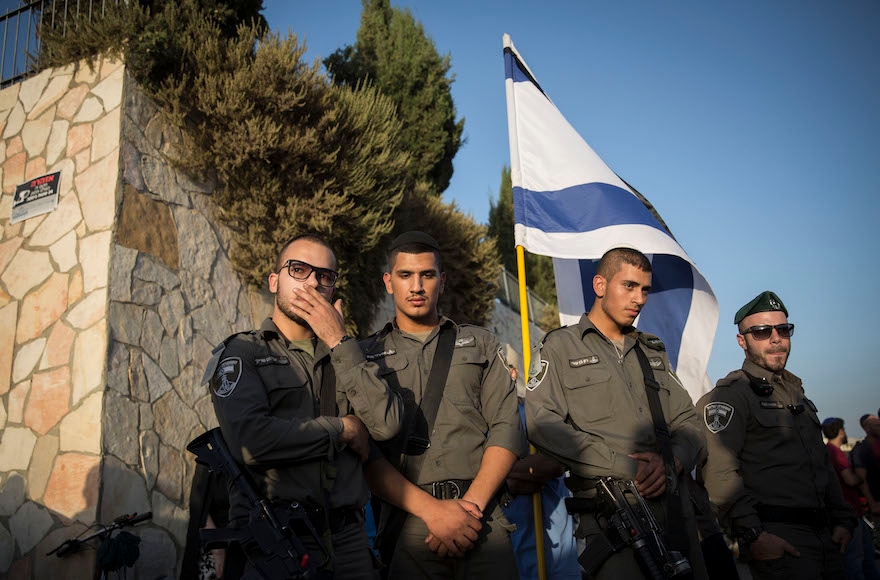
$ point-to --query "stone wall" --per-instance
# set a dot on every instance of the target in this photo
(109, 307)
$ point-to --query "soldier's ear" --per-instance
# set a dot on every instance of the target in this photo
(600, 285)
(273, 282)
(386, 277)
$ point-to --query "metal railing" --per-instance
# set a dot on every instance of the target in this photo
(21, 27)
(508, 294)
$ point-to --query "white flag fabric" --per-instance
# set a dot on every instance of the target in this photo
(569, 205)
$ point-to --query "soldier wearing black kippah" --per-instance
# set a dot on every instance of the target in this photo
(768, 471)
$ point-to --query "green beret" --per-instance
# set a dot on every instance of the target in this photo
(766, 301)
(414, 237)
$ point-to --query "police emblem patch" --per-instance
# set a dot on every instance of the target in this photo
(466, 341)
(717, 416)
(656, 363)
(227, 376)
(535, 379)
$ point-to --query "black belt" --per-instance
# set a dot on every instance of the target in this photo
(813, 517)
(335, 519)
(449, 489)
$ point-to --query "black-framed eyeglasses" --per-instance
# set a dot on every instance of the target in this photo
(301, 271)
(765, 331)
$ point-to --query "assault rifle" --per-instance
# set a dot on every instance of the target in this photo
(270, 538)
(626, 521)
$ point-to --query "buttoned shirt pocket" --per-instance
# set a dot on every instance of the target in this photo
(772, 418)
(589, 394)
(465, 377)
(391, 369)
(287, 388)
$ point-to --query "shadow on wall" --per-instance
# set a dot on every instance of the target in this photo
(37, 530)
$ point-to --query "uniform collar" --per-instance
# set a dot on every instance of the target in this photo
(585, 325)
(392, 325)
(756, 371)
(269, 331)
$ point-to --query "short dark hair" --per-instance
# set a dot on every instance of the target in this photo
(864, 418)
(614, 258)
(311, 238)
(831, 427)
(414, 248)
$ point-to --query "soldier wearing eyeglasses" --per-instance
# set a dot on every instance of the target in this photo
(768, 471)
(296, 400)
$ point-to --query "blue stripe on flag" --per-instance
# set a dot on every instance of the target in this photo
(588, 270)
(513, 70)
(580, 208)
(669, 304)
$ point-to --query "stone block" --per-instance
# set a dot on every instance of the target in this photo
(71, 102)
(159, 240)
(90, 110)
(3, 416)
(151, 337)
(158, 554)
(56, 89)
(106, 135)
(157, 382)
(57, 141)
(17, 397)
(140, 389)
(124, 491)
(25, 271)
(149, 270)
(121, 428)
(58, 346)
(14, 122)
(146, 293)
(35, 167)
(31, 91)
(169, 516)
(147, 417)
(42, 308)
(210, 322)
(64, 251)
(94, 255)
(29, 525)
(67, 168)
(16, 447)
(121, 266)
(168, 359)
(9, 97)
(205, 409)
(160, 181)
(118, 368)
(89, 310)
(72, 491)
(227, 288)
(41, 465)
(197, 241)
(35, 133)
(171, 310)
(31, 224)
(150, 457)
(9, 247)
(7, 549)
(79, 565)
(26, 359)
(75, 289)
(109, 90)
(96, 187)
(79, 138)
(126, 322)
(49, 399)
(171, 469)
(59, 223)
(174, 420)
(89, 356)
(12, 494)
(81, 429)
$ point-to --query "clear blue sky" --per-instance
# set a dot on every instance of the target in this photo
(751, 126)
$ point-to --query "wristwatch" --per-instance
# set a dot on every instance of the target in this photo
(748, 536)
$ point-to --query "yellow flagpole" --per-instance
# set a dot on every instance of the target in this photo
(524, 321)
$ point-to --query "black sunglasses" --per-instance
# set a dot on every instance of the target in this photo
(301, 271)
(765, 331)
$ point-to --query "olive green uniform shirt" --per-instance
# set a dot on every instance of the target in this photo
(760, 451)
(478, 408)
(586, 404)
(266, 393)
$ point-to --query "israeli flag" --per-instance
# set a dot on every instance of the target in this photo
(569, 205)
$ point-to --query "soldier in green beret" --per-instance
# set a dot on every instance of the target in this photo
(768, 471)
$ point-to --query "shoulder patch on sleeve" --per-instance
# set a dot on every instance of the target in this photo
(227, 376)
(652, 342)
(537, 372)
(717, 416)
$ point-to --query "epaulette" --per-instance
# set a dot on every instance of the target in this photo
(217, 353)
(549, 332)
(731, 378)
(651, 341)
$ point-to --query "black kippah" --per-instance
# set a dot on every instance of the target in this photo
(413, 237)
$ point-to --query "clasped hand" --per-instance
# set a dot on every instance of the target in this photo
(454, 526)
